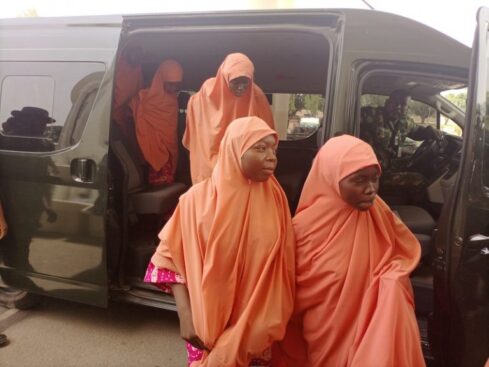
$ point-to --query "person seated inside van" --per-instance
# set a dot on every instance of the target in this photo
(128, 81)
(155, 112)
(387, 128)
(229, 95)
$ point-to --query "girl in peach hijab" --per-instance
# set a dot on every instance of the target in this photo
(354, 302)
(229, 95)
(128, 81)
(228, 254)
(156, 115)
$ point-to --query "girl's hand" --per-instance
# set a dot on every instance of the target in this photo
(187, 331)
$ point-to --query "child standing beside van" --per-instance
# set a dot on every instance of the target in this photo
(227, 253)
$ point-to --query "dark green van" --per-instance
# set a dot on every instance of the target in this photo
(83, 223)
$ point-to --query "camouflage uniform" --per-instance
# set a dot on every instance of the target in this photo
(374, 131)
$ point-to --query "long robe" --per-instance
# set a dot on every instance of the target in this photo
(156, 116)
(214, 106)
(232, 241)
(354, 301)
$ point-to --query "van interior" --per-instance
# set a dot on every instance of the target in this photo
(292, 68)
(418, 181)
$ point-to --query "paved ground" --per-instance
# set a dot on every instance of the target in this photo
(66, 334)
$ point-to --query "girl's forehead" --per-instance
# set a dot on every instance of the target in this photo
(370, 170)
(269, 140)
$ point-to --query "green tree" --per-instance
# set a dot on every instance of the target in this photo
(458, 99)
(423, 110)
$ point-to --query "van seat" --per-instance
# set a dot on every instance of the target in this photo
(144, 199)
(417, 219)
(157, 200)
(420, 222)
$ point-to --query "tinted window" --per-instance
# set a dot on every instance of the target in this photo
(43, 105)
(297, 115)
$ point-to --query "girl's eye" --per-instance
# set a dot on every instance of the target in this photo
(260, 148)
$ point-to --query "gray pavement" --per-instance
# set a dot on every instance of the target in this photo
(66, 334)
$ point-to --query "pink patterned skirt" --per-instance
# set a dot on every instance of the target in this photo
(162, 278)
(165, 176)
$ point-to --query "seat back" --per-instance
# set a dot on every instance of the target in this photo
(133, 171)
(182, 173)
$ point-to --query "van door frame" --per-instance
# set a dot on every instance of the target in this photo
(458, 332)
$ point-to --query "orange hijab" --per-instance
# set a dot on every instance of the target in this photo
(354, 300)
(156, 117)
(232, 240)
(212, 109)
(128, 81)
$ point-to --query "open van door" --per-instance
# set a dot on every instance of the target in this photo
(460, 326)
(55, 99)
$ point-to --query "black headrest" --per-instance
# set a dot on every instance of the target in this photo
(183, 98)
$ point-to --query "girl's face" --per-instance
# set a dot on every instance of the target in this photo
(360, 188)
(258, 163)
(239, 85)
(172, 87)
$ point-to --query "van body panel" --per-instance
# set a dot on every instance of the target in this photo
(65, 255)
(461, 314)
(56, 243)
(366, 39)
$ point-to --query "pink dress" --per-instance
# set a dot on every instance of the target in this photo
(162, 278)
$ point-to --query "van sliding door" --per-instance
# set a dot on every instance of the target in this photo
(55, 97)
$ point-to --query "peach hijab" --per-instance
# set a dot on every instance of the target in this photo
(354, 298)
(232, 241)
(128, 81)
(212, 109)
(156, 116)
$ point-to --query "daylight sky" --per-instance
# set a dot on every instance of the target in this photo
(453, 17)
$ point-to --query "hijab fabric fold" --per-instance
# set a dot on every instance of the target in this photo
(231, 239)
(214, 106)
(354, 302)
(128, 81)
(156, 116)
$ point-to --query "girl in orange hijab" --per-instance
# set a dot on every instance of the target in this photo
(128, 81)
(354, 302)
(220, 100)
(228, 254)
(156, 116)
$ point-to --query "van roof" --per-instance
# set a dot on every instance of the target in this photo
(365, 31)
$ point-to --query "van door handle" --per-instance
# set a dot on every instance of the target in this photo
(480, 242)
(83, 170)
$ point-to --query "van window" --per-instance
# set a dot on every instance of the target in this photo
(289, 66)
(297, 115)
(457, 96)
(44, 105)
(32, 90)
(449, 126)
(420, 113)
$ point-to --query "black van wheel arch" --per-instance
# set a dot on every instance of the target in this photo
(18, 298)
